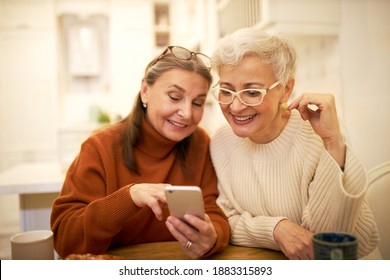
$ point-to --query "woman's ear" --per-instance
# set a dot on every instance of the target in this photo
(144, 92)
(288, 90)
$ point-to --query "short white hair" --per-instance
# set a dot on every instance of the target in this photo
(274, 50)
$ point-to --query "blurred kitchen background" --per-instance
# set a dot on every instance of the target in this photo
(68, 67)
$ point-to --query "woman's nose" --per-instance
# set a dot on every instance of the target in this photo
(185, 111)
(236, 104)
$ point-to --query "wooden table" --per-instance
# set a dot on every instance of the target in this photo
(172, 251)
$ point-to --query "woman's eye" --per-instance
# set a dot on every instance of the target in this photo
(225, 92)
(174, 97)
(198, 103)
(252, 93)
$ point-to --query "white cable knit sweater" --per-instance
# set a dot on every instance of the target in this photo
(292, 177)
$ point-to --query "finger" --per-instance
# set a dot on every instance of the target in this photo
(194, 221)
(312, 100)
(183, 228)
(303, 111)
(206, 236)
(315, 101)
(160, 196)
(301, 101)
(193, 250)
(205, 227)
(161, 193)
(294, 104)
(176, 234)
(155, 206)
(179, 236)
(310, 107)
(308, 110)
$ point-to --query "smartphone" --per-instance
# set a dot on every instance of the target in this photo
(185, 200)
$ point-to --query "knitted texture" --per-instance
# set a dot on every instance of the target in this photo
(292, 177)
(95, 212)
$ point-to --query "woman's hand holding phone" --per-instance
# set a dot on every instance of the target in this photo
(188, 222)
(196, 236)
(195, 232)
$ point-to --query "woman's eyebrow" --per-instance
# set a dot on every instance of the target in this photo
(179, 88)
(202, 95)
(254, 84)
(182, 90)
(224, 84)
(246, 85)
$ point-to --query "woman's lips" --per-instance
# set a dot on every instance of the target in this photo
(242, 119)
(177, 124)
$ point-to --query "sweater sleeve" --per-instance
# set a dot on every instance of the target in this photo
(85, 218)
(336, 201)
(246, 229)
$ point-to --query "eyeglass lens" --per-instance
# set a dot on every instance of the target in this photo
(182, 53)
(248, 96)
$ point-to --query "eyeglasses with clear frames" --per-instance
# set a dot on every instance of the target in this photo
(248, 97)
(184, 54)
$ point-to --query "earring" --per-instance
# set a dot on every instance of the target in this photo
(283, 106)
(144, 105)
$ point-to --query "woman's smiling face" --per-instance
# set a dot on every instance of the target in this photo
(255, 122)
(175, 103)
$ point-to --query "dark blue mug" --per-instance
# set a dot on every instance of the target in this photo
(334, 246)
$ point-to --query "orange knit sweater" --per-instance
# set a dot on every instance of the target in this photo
(95, 212)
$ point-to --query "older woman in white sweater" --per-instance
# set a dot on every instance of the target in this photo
(284, 172)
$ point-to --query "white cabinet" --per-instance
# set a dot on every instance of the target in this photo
(299, 17)
(27, 90)
(26, 14)
(27, 82)
(131, 49)
(303, 17)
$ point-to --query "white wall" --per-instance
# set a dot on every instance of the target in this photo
(365, 62)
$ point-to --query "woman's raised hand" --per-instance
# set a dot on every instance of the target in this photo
(324, 120)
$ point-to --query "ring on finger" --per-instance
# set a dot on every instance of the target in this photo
(188, 245)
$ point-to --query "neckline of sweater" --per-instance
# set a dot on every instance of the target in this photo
(152, 143)
(279, 146)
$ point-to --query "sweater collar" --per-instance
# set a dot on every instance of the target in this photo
(152, 142)
(282, 144)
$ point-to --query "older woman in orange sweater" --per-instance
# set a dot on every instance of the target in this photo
(113, 194)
